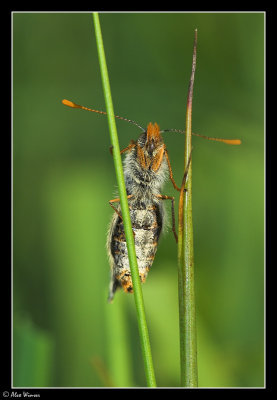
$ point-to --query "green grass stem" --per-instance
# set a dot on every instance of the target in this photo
(142, 325)
(187, 320)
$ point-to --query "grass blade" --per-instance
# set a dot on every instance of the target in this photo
(187, 322)
(143, 329)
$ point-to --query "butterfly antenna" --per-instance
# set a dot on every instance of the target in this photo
(227, 141)
(74, 105)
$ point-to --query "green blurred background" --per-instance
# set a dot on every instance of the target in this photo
(65, 332)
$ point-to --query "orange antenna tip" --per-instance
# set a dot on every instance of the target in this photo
(232, 141)
(227, 141)
(70, 103)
